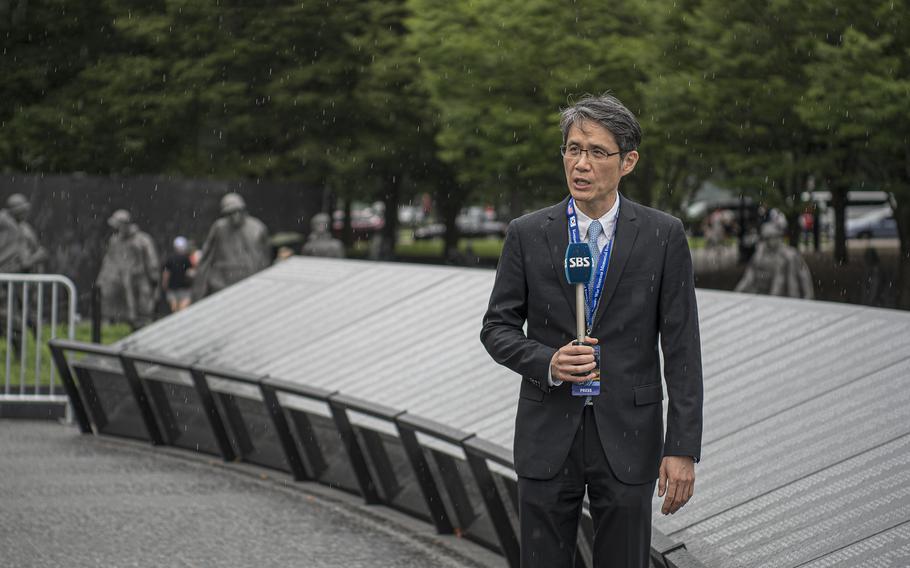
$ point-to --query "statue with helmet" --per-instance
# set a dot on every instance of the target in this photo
(20, 250)
(10, 243)
(776, 269)
(237, 246)
(129, 273)
(320, 242)
(31, 254)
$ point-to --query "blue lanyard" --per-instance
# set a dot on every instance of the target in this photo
(592, 296)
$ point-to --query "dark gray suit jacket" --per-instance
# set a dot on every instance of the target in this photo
(649, 294)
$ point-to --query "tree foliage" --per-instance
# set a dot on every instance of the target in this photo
(387, 99)
(498, 73)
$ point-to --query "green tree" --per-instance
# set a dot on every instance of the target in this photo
(203, 88)
(43, 47)
(390, 151)
(498, 73)
(741, 79)
(856, 100)
(680, 139)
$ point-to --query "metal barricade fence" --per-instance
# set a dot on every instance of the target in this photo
(34, 309)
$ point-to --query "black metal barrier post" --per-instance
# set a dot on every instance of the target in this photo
(477, 451)
(90, 396)
(84, 388)
(408, 427)
(96, 314)
(66, 376)
(339, 404)
(665, 552)
(235, 419)
(201, 384)
(382, 465)
(145, 409)
(306, 434)
(280, 422)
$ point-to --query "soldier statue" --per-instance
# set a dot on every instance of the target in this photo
(320, 241)
(129, 273)
(776, 269)
(10, 243)
(11, 254)
(32, 254)
(237, 246)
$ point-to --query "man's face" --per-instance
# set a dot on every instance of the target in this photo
(592, 182)
(236, 218)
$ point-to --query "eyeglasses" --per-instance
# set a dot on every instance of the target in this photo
(573, 152)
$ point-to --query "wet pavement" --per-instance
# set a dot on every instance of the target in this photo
(87, 501)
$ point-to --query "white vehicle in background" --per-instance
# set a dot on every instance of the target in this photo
(474, 222)
(878, 223)
(868, 213)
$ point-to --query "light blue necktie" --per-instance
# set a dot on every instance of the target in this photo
(594, 231)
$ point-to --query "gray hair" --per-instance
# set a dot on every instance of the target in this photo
(607, 111)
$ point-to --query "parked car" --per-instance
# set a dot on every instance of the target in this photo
(364, 223)
(876, 224)
(410, 215)
(696, 213)
(472, 223)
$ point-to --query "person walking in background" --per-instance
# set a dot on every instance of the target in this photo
(715, 234)
(610, 445)
(129, 273)
(176, 278)
(237, 246)
(807, 227)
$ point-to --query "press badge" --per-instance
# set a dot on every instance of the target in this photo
(591, 387)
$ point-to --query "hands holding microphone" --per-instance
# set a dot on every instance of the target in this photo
(575, 363)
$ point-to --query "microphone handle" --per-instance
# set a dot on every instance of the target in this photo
(580, 312)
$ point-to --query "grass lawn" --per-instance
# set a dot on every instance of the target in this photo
(485, 248)
(109, 334)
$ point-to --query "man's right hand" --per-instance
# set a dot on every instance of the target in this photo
(571, 359)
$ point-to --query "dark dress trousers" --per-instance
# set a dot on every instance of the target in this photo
(648, 302)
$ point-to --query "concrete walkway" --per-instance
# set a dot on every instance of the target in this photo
(87, 501)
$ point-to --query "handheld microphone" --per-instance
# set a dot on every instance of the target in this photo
(579, 263)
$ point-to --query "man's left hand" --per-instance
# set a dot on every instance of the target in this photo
(676, 483)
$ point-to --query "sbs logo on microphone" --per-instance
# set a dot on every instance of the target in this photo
(579, 262)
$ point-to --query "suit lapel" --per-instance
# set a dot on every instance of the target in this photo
(626, 232)
(557, 230)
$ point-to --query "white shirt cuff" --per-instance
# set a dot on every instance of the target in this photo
(551, 381)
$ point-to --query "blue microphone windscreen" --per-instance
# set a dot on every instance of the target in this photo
(579, 263)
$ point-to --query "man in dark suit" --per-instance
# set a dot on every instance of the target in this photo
(613, 444)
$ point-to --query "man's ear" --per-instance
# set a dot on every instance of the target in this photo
(628, 162)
